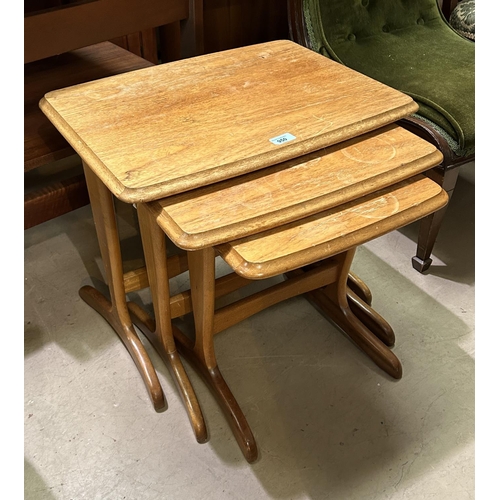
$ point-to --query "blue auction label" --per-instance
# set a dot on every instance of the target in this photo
(281, 139)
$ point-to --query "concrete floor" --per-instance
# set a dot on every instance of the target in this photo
(329, 424)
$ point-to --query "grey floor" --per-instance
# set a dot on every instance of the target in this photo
(329, 424)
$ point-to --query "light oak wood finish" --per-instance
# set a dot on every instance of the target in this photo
(163, 130)
(180, 304)
(333, 231)
(155, 252)
(115, 310)
(183, 75)
(173, 128)
(316, 254)
(293, 189)
(138, 278)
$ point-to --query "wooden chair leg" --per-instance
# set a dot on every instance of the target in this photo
(115, 311)
(370, 318)
(430, 225)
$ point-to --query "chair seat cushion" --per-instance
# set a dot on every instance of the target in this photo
(408, 46)
(463, 18)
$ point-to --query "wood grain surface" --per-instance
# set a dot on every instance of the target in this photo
(334, 231)
(177, 126)
(42, 142)
(295, 189)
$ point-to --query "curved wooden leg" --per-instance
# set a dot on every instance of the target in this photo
(202, 354)
(333, 300)
(371, 319)
(115, 311)
(159, 332)
(222, 393)
(360, 307)
(173, 361)
(128, 336)
(360, 300)
(360, 288)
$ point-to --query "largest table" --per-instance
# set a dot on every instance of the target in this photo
(172, 128)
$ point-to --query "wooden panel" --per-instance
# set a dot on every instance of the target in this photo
(134, 43)
(217, 26)
(235, 23)
(178, 126)
(149, 45)
(55, 200)
(32, 6)
(97, 21)
(142, 44)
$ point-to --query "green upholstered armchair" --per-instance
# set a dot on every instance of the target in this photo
(408, 45)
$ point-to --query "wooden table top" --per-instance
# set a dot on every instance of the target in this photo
(294, 189)
(163, 130)
(42, 142)
(335, 230)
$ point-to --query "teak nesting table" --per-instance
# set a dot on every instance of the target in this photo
(271, 156)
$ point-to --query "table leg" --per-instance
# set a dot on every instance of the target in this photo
(359, 287)
(202, 353)
(115, 311)
(370, 318)
(359, 298)
(329, 290)
(344, 307)
(160, 331)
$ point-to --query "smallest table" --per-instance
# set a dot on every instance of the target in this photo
(302, 219)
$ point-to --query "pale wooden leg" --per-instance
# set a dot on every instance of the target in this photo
(202, 353)
(333, 300)
(160, 334)
(116, 312)
(359, 287)
(370, 318)
(360, 299)
(359, 303)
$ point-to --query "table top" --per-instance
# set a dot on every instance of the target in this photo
(174, 127)
(333, 231)
(294, 189)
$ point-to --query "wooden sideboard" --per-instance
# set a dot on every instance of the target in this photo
(67, 42)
